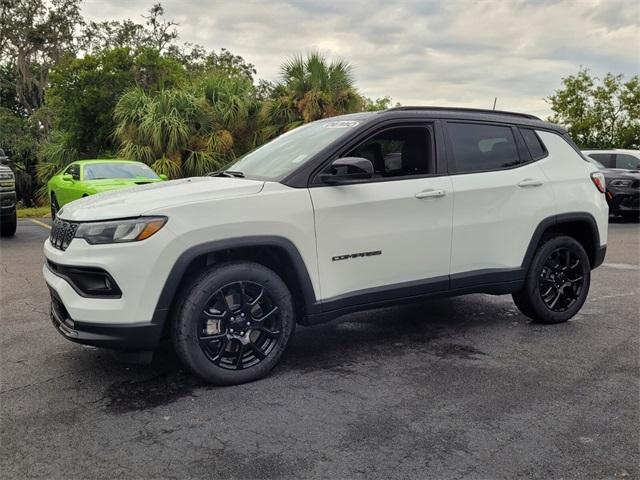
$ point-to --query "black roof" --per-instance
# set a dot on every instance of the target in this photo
(475, 114)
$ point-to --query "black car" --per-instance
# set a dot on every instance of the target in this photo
(623, 190)
(8, 217)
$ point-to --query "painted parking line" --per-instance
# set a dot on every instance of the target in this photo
(621, 266)
(42, 224)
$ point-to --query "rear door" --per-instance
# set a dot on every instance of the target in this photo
(389, 236)
(500, 197)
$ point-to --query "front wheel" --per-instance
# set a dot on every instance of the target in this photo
(8, 226)
(557, 283)
(54, 206)
(234, 323)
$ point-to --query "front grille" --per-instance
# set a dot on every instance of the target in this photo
(635, 184)
(62, 233)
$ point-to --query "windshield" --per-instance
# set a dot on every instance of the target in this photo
(96, 171)
(281, 156)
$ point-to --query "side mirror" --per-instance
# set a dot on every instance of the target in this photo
(348, 169)
(67, 177)
(163, 177)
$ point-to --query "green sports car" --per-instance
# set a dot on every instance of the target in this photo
(87, 177)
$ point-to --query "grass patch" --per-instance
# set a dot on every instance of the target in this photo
(34, 212)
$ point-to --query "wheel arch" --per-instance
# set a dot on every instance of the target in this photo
(276, 253)
(581, 226)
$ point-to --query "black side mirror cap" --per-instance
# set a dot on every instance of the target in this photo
(347, 170)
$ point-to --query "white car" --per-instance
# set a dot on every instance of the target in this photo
(339, 215)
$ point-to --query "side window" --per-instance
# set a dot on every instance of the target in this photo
(534, 144)
(74, 171)
(399, 151)
(605, 159)
(627, 161)
(478, 147)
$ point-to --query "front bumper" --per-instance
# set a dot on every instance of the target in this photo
(124, 320)
(7, 204)
(627, 200)
(129, 337)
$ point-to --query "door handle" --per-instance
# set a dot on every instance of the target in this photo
(430, 194)
(530, 182)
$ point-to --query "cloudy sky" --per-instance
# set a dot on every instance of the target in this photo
(419, 52)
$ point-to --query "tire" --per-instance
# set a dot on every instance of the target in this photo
(8, 226)
(54, 207)
(557, 283)
(213, 307)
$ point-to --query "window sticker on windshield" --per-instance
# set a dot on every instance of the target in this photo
(341, 124)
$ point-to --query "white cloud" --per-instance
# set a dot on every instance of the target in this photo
(420, 52)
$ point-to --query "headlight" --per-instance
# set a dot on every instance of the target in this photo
(621, 183)
(120, 231)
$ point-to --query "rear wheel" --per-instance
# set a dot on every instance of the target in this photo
(557, 283)
(234, 323)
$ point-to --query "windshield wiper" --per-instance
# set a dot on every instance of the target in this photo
(227, 173)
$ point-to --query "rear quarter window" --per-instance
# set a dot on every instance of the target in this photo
(534, 144)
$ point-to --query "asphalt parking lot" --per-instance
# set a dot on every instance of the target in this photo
(455, 388)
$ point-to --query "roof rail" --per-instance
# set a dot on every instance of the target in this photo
(462, 109)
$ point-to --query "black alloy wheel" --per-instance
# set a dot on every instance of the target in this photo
(557, 282)
(561, 280)
(240, 326)
(233, 322)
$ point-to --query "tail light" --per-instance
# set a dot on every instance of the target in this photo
(598, 180)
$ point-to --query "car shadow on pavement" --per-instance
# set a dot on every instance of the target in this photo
(337, 347)
(378, 333)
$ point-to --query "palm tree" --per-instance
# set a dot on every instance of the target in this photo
(235, 107)
(311, 88)
(55, 153)
(174, 131)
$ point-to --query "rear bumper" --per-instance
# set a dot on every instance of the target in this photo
(127, 337)
(599, 256)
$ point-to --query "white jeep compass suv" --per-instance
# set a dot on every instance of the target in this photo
(342, 214)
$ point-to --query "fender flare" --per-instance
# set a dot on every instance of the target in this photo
(597, 253)
(176, 275)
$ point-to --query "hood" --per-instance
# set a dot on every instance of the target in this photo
(621, 173)
(104, 184)
(135, 201)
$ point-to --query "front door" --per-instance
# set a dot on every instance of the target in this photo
(389, 236)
